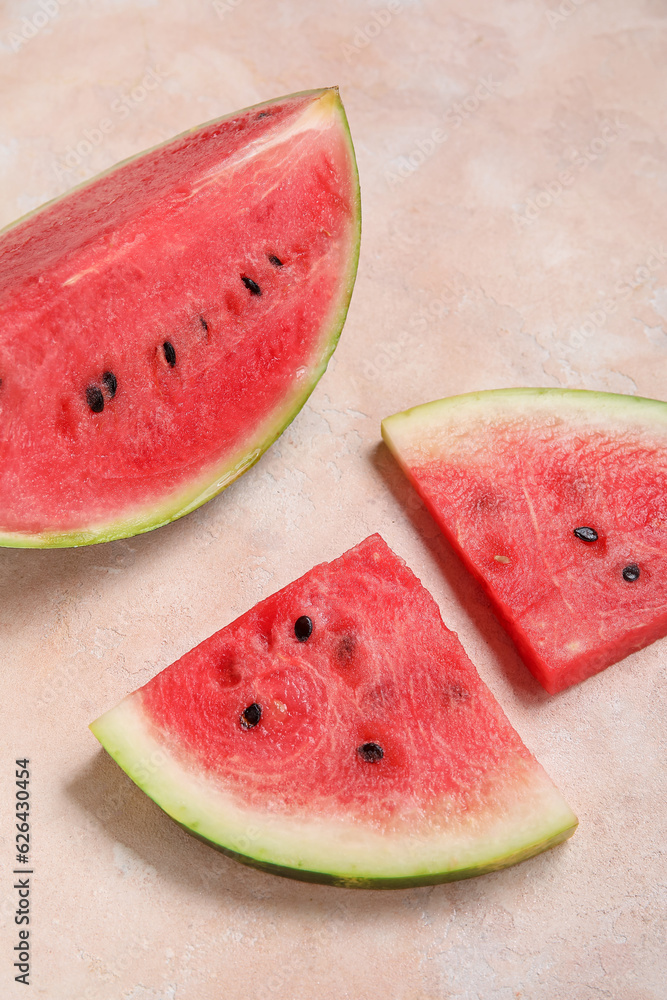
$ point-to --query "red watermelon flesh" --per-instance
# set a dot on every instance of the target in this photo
(337, 732)
(511, 475)
(161, 324)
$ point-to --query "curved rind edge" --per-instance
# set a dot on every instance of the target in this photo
(399, 882)
(214, 483)
(579, 398)
(152, 149)
(127, 735)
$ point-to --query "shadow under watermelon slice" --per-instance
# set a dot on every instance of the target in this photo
(163, 323)
(338, 733)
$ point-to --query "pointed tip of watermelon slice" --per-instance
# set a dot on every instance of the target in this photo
(273, 190)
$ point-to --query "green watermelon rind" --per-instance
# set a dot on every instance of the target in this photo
(213, 482)
(396, 882)
(309, 849)
(459, 432)
(410, 426)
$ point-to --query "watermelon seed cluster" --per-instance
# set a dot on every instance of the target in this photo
(250, 717)
(585, 534)
(369, 752)
(95, 396)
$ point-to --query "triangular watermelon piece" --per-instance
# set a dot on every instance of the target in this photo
(556, 500)
(161, 324)
(338, 733)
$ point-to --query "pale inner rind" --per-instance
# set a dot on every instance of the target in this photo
(317, 116)
(523, 809)
(323, 112)
(454, 426)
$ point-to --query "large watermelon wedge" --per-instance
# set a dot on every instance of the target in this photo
(556, 500)
(337, 732)
(160, 325)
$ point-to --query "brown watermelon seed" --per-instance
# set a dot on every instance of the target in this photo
(251, 716)
(110, 383)
(586, 534)
(458, 693)
(370, 752)
(345, 649)
(169, 353)
(251, 285)
(631, 573)
(303, 628)
(94, 398)
(204, 324)
(276, 261)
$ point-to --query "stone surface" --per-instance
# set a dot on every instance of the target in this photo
(513, 172)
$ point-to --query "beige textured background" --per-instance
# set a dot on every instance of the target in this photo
(521, 243)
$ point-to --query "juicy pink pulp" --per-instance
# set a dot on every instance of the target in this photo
(155, 252)
(379, 667)
(511, 514)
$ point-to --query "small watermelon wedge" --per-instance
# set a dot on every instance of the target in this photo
(338, 733)
(163, 323)
(556, 500)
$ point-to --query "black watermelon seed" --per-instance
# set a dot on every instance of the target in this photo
(303, 628)
(94, 398)
(371, 752)
(251, 716)
(251, 285)
(631, 573)
(110, 383)
(204, 324)
(169, 353)
(276, 261)
(586, 534)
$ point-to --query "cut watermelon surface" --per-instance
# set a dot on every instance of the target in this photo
(338, 733)
(161, 324)
(556, 500)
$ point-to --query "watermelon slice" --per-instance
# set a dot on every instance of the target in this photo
(556, 500)
(338, 733)
(162, 324)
